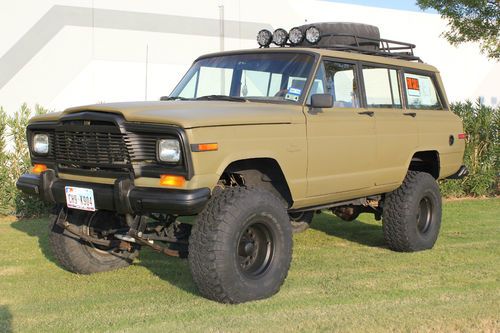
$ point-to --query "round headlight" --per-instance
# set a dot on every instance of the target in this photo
(264, 38)
(312, 35)
(280, 37)
(296, 36)
(41, 143)
(169, 150)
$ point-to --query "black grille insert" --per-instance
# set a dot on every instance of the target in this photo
(91, 146)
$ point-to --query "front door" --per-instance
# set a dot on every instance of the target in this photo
(342, 143)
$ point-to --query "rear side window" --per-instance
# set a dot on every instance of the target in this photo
(421, 92)
(382, 87)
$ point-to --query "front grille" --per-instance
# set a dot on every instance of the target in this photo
(97, 146)
(104, 145)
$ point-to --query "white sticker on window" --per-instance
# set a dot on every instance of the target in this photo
(293, 94)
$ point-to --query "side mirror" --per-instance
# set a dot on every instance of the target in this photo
(164, 98)
(321, 101)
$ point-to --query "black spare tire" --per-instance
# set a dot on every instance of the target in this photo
(345, 28)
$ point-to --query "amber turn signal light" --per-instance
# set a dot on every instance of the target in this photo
(172, 180)
(39, 168)
(205, 147)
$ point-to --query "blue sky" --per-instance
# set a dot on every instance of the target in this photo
(394, 4)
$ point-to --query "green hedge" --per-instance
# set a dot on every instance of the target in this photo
(482, 154)
(14, 161)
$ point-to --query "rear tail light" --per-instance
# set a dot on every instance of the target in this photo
(463, 136)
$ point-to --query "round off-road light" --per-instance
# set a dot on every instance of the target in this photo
(313, 35)
(280, 36)
(296, 36)
(264, 38)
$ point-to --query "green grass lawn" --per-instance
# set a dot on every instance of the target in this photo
(342, 278)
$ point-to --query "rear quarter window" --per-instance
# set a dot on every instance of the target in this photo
(421, 92)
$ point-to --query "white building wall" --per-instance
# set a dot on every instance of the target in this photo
(71, 52)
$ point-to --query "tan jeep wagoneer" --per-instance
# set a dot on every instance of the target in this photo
(248, 146)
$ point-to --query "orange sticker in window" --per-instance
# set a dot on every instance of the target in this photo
(412, 83)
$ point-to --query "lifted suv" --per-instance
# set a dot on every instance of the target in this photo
(252, 143)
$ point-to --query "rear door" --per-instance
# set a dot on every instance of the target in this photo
(342, 141)
(397, 129)
(438, 127)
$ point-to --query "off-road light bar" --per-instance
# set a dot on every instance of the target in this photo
(264, 38)
(313, 35)
(280, 36)
(296, 36)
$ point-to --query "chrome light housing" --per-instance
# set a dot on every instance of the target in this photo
(313, 35)
(264, 38)
(41, 143)
(280, 36)
(169, 150)
(296, 36)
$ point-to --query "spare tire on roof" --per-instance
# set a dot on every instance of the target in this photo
(351, 29)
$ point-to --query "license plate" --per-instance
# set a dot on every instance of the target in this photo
(80, 198)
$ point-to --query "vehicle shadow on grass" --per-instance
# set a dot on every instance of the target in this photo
(5, 319)
(354, 231)
(38, 228)
(170, 269)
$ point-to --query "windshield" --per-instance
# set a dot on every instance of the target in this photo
(253, 76)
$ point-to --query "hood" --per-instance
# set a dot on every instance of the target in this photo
(191, 114)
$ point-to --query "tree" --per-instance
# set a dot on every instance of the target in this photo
(470, 21)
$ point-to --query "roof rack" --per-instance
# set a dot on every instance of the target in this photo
(386, 47)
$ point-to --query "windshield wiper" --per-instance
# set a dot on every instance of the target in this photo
(221, 98)
(174, 98)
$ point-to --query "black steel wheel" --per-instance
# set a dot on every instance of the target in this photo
(424, 215)
(255, 249)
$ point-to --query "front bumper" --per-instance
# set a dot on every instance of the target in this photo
(122, 197)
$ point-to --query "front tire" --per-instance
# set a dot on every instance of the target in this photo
(412, 214)
(81, 257)
(241, 246)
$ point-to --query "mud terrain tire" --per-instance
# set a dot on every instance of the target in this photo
(412, 214)
(240, 247)
(79, 256)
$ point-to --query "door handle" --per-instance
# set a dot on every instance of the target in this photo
(367, 113)
(411, 114)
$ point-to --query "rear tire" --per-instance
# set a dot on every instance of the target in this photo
(79, 256)
(241, 246)
(301, 221)
(412, 214)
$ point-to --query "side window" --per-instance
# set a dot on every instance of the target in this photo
(339, 80)
(382, 87)
(421, 92)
